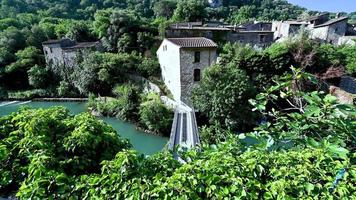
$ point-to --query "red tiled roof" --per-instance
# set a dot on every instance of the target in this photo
(193, 42)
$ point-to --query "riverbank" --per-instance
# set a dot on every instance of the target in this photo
(144, 143)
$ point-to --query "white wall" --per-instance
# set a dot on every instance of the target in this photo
(169, 61)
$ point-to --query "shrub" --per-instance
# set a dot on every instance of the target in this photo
(48, 143)
(155, 116)
(38, 76)
(223, 96)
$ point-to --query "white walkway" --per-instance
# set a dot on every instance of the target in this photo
(184, 131)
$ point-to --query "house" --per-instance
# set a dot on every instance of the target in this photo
(182, 62)
(216, 32)
(257, 38)
(65, 51)
(331, 30)
(285, 29)
(257, 34)
(321, 27)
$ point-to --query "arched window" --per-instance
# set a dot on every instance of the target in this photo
(196, 75)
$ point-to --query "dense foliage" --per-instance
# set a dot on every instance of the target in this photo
(147, 110)
(154, 115)
(223, 96)
(40, 143)
(226, 88)
(303, 151)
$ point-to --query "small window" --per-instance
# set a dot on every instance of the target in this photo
(164, 47)
(197, 56)
(262, 38)
(50, 49)
(196, 75)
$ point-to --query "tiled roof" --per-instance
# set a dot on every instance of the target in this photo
(193, 42)
(81, 45)
(332, 21)
(55, 41)
(204, 28)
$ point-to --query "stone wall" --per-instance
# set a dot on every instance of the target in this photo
(319, 33)
(53, 54)
(348, 40)
(330, 34)
(253, 38)
(207, 58)
(336, 31)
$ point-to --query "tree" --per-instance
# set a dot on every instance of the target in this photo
(164, 8)
(155, 116)
(190, 11)
(38, 76)
(244, 14)
(223, 96)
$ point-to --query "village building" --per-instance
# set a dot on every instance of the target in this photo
(183, 61)
(64, 51)
(321, 27)
(256, 34)
(330, 31)
(285, 29)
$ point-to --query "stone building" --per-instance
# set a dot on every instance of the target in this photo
(321, 27)
(213, 31)
(182, 62)
(285, 29)
(65, 51)
(331, 30)
(257, 34)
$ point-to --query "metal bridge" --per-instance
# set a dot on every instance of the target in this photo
(184, 131)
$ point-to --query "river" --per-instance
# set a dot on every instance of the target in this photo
(142, 142)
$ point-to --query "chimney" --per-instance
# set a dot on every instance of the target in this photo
(337, 15)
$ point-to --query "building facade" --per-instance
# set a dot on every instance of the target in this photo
(183, 61)
(257, 34)
(65, 51)
(330, 31)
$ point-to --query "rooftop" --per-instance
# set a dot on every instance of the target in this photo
(55, 41)
(332, 21)
(312, 18)
(193, 42)
(81, 45)
(207, 28)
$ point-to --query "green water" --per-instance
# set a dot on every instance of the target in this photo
(142, 142)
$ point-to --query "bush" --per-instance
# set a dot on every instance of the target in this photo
(51, 143)
(155, 116)
(124, 106)
(30, 94)
(213, 134)
(38, 77)
(66, 90)
(223, 96)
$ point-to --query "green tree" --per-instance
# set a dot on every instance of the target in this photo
(164, 8)
(154, 115)
(223, 96)
(244, 14)
(39, 76)
(190, 11)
